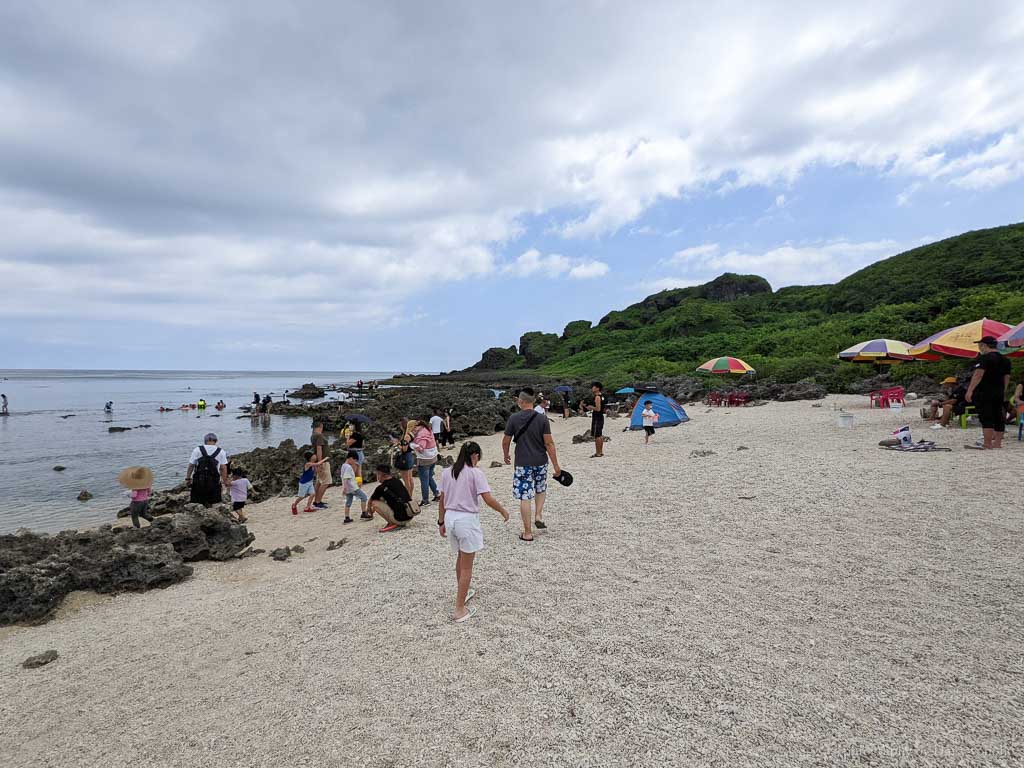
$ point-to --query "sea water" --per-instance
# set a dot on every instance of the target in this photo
(34, 437)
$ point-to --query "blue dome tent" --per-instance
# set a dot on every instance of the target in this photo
(670, 413)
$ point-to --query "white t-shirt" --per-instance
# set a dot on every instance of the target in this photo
(348, 479)
(222, 457)
(539, 408)
(649, 417)
(436, 424)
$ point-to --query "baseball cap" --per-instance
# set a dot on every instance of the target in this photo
(564, 478)
(210, 438)
(989, 340)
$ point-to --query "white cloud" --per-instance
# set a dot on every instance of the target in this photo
(648, 287)
(532, 262)
(903, 198)
(587, 270)
(780, 201)
(687, 254)
(789, 264)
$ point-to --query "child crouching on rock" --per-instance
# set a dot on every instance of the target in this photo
(139, 482)
(458, 517)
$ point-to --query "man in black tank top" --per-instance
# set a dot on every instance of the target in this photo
(597, 419)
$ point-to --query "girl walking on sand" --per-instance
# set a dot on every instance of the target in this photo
(458, 518)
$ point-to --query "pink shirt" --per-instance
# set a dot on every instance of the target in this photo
(462, 494)
(425, 439)
(140, 494)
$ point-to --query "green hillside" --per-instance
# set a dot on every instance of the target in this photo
(795, 332)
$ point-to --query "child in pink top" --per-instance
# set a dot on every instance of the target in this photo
(458, 517)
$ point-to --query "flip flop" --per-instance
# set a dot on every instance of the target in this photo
(975, 447)
(470, 595)
(523, 538)
(539, 524)
(467, 617)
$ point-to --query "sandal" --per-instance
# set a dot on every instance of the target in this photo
(539, 524)
(523, 538)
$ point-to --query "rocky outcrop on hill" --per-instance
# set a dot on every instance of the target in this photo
(37, 571)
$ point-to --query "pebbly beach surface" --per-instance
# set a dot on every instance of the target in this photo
(757, 587)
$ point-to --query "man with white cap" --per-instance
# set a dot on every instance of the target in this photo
(207, 472)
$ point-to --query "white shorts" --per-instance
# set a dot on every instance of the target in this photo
(464, 531)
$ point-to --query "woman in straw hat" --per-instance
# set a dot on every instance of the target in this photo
(139, 482)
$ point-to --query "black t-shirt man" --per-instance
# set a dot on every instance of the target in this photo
(392, 492)
(531, 449)
(995, 368)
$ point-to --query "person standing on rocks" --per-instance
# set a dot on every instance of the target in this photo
(322, 456)
(207, 472)
(531, 432)
(437, 426)
(987, 390)
(597, 420)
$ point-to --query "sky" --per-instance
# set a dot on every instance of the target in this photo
(398, 186)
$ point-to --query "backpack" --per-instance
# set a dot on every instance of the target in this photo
(206, 478)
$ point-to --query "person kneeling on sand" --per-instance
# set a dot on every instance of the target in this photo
(458, 518)
(391, 500)
(307, 484)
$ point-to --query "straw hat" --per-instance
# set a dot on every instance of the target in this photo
(136, 478)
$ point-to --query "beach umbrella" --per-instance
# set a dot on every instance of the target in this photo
(563, 389)
(726, 365)
(878, 351)
(1013, 337)
(625, 391)
(960, 341)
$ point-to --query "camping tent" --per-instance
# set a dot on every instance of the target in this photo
(669, 411)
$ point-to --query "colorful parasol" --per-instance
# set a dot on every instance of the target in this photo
(878, 351)
(1013, 337)
(961, 341)
(726, 365)
(625, 391)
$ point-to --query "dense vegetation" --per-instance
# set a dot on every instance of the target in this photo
(793, 333)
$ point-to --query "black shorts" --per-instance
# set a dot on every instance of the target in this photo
(991, 414)
(649, 430)
(597, 425)
(237, 505)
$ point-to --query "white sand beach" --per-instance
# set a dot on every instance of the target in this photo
(812, 600)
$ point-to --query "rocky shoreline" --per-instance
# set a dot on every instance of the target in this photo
(37, 571)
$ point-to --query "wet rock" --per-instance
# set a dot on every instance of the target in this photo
(298, 549)
(496, 465)
(119, 429)
(84, 496)
(40, 660)
(333, 545)
(281, 554)
(68, 416)
(586, 437)
(742, 448)
(144, 426)
(308, 391)
(59, 468)
(37, 572)
(700, 454)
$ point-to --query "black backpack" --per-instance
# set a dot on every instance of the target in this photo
(206, 478)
